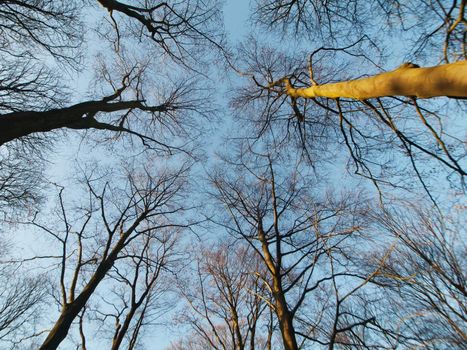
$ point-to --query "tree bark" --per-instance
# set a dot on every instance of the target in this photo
(79, 116)
(71, 310)
(236, 327)
(408, 80)
(117, 341)
(285, 322)
(283, 313)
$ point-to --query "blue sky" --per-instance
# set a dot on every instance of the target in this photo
(63, 160)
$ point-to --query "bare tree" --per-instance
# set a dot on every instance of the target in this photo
(85, 115)
(388, 122)
(306, 246)
(225, 295)
(384, 139)
(137, 289)
(430, 25)
(21, 303)
(20, 182)
(312, 266)
(407, 80)
(41, 48)
(32, 26)
(98, 234)
(426, 275)
(22, 300)
(176, 28)
(180, 29)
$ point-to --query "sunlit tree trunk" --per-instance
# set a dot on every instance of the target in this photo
(285, 322)
(407, 80)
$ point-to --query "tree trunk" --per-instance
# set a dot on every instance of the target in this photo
(79, 116)
(284, 315)
(285, 322)
(236, 327)
(117, 342)
(61, 327)
(407, 80)
(71, 310)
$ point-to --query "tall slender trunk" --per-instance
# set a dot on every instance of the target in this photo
(284, 315)
(407, 80)
(285, 320)
(71, 310)
(252, 338)
(117, 342)
(270, 331)
(236, 327)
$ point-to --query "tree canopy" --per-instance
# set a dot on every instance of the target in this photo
(296, 181)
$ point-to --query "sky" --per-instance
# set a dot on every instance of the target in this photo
(62, 162)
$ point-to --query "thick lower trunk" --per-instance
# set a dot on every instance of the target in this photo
(61, 327)
(80, 116)
(71, 310)
(285, 324)
(407, 80)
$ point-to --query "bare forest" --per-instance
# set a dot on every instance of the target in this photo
(233, 175)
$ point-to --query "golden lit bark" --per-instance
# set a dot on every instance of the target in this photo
(407, 80)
